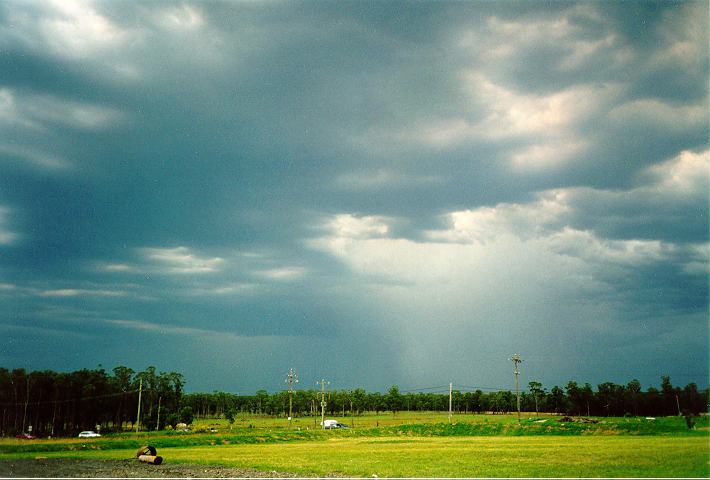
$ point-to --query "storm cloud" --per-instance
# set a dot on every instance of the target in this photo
(368, 192)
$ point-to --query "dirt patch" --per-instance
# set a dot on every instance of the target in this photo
(578, 420)
(80, 468)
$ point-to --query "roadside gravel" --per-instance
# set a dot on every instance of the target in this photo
(80, 468)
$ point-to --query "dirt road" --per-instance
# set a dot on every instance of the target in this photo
(54, 467)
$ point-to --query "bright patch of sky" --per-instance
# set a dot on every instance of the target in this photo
(374, 193)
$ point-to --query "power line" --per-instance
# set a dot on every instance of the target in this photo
(494, 389)
(107, 395)
(425, 388)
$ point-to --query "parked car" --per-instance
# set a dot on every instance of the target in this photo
(25, 436)
(89, 434)
(329, 424)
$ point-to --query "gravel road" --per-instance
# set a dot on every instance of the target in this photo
(79, 468)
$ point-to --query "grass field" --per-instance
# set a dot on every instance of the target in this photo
(419, 446)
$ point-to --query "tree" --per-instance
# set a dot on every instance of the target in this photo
(653, 402)
(611, 398)
(375, 402)
(262, 399)
(484, 402)
(586, 397)
(574, 395)
(393, 400)
(186, 415)
(229, 415)
(359, 399)
(178, 382)
(504, 401)
(669, 396)
(537, 392)
(692, 400)
(150, 383)
(122, 379)
(557, 398)
(632, 397)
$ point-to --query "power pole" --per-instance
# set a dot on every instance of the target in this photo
(138, 416)
(451, 386)
(27, 400)
(292, 378)
(516, 361)
(322, 401)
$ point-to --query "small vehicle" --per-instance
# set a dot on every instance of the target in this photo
(89, 434)
(331, 424)
(25, 436)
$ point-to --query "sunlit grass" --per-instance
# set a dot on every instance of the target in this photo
(418, 444)
(359, 421)
(456, 456)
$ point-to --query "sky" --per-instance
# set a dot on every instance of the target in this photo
(368, 192)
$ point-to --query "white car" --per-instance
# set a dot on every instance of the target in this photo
(89, 434)
(330, 424)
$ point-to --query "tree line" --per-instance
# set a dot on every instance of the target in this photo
(608, 399)
(48, 403)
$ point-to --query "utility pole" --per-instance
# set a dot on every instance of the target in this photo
(352, 415)
(157, 426)
(27, 400)
(291, 379)
(451, 386)
(322, 401)
(138, 416)
(516, 361)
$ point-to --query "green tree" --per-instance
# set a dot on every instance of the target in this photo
(393, 400)
(122, 379)
(669, 396)
(504, 401)
(359, 399)
(611, 398)
(262, 400)
(574, 395)
(632, 397)
(586, 397)
(376, 402)
(186, 415)
(537, 392)
(230, 415)
(557, 399)
(692, 400)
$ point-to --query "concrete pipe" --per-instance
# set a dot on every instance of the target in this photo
(146, 450)
(154, 459)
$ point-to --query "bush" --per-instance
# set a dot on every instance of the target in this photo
(172, 419)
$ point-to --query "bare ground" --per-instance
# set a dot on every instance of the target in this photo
(81, 468)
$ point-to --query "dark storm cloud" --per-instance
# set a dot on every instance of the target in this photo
(242, 177)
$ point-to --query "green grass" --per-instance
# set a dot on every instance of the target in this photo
(581, 456)
(479, 425)
(421, 445)
(638, 424)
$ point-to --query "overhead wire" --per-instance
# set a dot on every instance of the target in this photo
(94, 397)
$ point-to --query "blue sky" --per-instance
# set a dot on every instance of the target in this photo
(374, 193)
